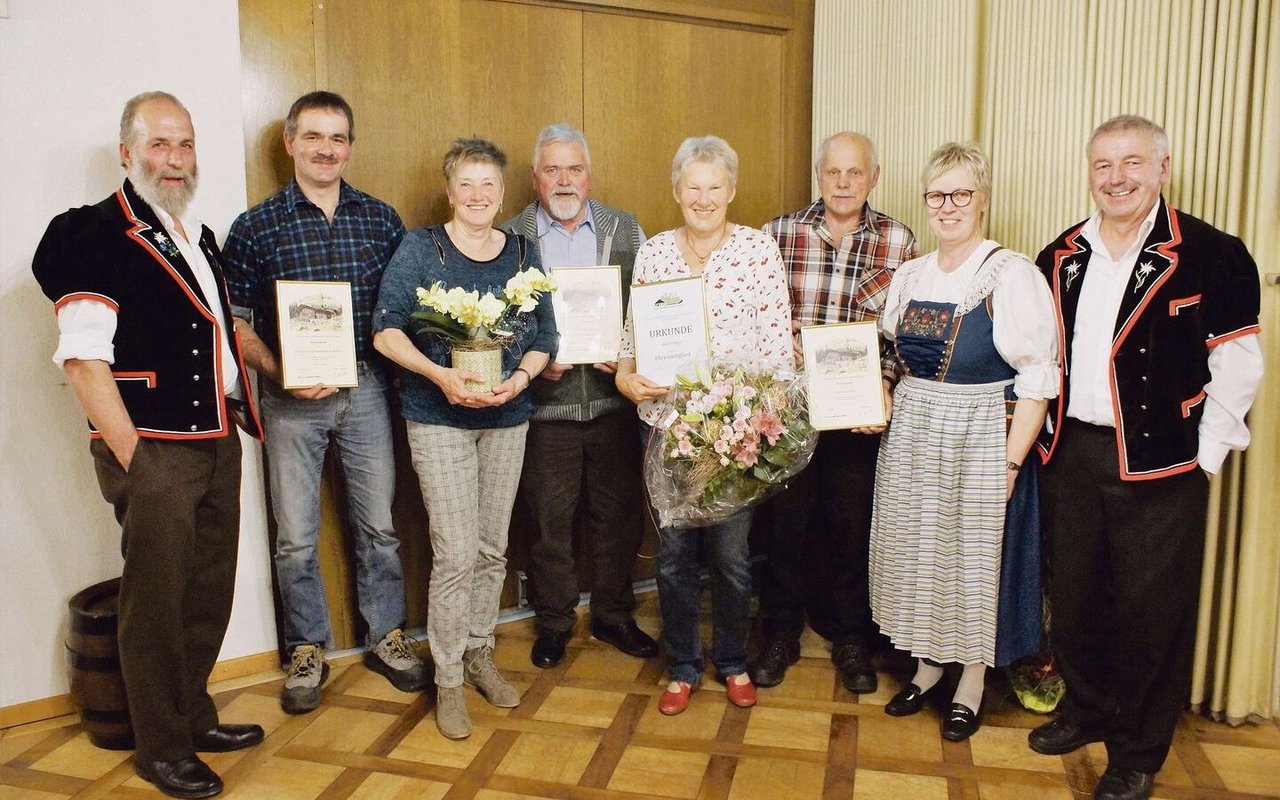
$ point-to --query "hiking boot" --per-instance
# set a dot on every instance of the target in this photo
(307, 673)
(393, 658)
(452, 718)
(478, 671)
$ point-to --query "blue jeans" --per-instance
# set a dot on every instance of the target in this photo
(679, 589)
(298, 432)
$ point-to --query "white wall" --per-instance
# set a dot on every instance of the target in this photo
(66, 68)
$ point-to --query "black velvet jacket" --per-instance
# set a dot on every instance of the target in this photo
(1192, 288)
(168, 364)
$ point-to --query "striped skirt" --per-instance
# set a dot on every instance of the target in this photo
(938, 521)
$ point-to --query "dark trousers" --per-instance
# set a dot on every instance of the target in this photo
(1125, 559)
(179, 513)
(818, 541)
(594, 465)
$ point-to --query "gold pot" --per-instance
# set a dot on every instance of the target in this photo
(481, 356)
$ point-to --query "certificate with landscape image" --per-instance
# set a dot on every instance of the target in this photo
(317, 334)
(588, 306)
(669, 320)
(842, 367)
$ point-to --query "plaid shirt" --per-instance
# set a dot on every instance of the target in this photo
(286, 237)
(844, 281)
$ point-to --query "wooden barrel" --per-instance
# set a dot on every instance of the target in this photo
(97, 687)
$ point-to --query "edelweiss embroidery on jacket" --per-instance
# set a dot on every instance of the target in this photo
(166, 244)
(1144, 272)
(1073, 272)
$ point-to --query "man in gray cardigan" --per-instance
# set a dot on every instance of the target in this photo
(582, 447)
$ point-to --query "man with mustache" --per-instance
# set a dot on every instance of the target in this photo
(319, 227)
(840, 255)
(1158, 315)
(143, 315)
(582, 451)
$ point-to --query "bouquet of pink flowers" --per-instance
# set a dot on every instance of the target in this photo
(731, 437)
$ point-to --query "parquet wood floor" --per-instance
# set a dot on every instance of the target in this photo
(590, 729)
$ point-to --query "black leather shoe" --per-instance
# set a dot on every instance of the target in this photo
(771, 667)
(853, 662)
(548, 648)
(189, 777)
(227, 737)
(1118, 783)
(1061, 736)
(627, 637)
(960, 723)
(908, 701)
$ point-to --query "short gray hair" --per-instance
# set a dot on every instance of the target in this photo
(560, 132)
(1132, 122)
(129, 117)
(826, 143)
(708, 150)
(473, 150)
(957, 154)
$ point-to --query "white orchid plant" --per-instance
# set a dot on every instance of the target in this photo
(463, 316)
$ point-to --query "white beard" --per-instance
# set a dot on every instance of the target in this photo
(174, 201)
(565, 206)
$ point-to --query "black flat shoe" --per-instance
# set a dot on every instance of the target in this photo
(627, 637)
(960, 723)
(227, 737)
(771, 667)
(548, 648)
(1118, 783)
(908, 701)
(853, 664)
(187, 778)
(1061, 736)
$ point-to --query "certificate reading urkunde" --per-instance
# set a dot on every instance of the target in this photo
(842, 367)
(669, 320)
(588, 307)
(317, 334)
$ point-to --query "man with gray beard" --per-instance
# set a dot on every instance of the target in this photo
(582, 453)
(143, 317)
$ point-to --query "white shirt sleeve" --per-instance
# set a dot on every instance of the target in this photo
(1024, 331)
(894, 303)
(1235, 370)
(87, 331)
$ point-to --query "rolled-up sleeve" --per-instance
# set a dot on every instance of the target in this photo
(398, 292)
(87, 331)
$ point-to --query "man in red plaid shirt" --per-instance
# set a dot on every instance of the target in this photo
(840, 255)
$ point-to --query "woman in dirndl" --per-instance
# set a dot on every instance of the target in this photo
(955, 564)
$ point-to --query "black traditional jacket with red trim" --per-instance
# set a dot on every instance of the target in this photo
(1193, 288)
(168, 362)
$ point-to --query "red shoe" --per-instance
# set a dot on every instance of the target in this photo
(675, 699)
(740, 689)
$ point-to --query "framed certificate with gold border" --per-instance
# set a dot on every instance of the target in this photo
(669, 322)
(317, 334)
(842, 369)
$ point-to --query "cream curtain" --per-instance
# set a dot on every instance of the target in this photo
(1029, 81)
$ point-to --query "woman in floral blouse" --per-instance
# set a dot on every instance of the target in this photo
(749, 316)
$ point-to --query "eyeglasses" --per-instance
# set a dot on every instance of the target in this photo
(959, 198)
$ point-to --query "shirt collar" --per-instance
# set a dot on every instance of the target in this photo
(190, 223)
(1092, 231)
(294, 197)
(816, 215)
(545, 222)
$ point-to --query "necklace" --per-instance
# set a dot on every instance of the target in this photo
(701, 258)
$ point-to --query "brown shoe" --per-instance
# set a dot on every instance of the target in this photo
(479, 671)
(452, 718)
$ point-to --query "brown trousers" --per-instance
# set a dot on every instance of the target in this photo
(179, 512)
